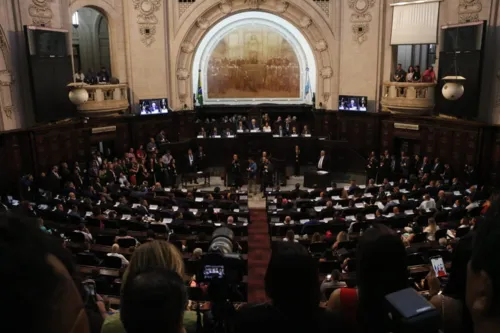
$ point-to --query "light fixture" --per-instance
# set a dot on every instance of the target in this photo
(75, 20)
(453, 87)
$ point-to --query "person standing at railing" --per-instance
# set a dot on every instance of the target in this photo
(399, 74)
(429, 75)
(410, 75)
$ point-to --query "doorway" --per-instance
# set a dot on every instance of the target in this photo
(408, 146)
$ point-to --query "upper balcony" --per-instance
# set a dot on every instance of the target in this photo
(103, 99)
(415, 98)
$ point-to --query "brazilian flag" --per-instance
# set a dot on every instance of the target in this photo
(199, 94)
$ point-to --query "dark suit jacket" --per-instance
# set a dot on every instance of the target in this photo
(190, 168)
(326, 164)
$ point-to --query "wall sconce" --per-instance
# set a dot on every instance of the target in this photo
(75, 20)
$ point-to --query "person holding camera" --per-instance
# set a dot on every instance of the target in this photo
(331, 283)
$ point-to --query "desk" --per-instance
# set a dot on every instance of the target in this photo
(317, 179)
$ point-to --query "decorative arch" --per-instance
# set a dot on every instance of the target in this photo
(303, 15)
(303, 52)
(7, 114)
(115, 16)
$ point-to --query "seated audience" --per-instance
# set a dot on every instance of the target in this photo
(294, 295)
(379, 250)
(431, 229)
(115, 249)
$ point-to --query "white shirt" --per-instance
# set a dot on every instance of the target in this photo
(320, 163)
(427, 204)
(79, 77)
(266, 129)
(88, 237)
(190, 159)
(121, 256)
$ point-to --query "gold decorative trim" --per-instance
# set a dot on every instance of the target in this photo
(147, 19)
(6, 78)
(360, 19)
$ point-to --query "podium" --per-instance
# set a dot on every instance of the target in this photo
(315, 179)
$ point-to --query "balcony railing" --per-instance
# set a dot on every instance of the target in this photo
(104, 99)
(408, 97)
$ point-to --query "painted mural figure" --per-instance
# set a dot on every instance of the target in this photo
(253, 61)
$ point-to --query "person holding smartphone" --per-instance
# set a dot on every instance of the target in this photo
(330, 283)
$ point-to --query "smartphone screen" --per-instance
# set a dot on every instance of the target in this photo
(438, 266)
(329, 277)
(213, 271)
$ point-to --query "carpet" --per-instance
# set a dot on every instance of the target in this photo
(259, 251)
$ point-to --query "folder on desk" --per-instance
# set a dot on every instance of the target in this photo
(175, 208)
(218, 224)
(193, 210)
(87, 214)
(302, 221)
(167, 220)
(351, 218)
(116, 204)
(318, 209)
(126, 217)
(409, 212)
(359, 205)
(198, 199)
(153, 207)
(135, 205)
(370, 216)
(216, 210)
(379, 205)
(457, 193)
(336, 197)
(368, 195)
(236, 210)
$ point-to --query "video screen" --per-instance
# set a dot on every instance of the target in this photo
(353, 103)
(213, 271)
(153, 106)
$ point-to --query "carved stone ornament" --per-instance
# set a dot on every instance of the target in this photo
(281, 6)
(321, 45)
(146, 18)
(6, 78)
(40, 12)
(359, 31)
(187, 47)
(182, 98)
(254, 4)
(202, 23)
(326, 97)
(468, 10)
(326, 72)
(305, 22)
(226, 6)
(182, 74)
(360, 18)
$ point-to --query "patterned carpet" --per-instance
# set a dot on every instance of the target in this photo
(259, 250)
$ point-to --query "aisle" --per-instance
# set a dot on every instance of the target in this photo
(259, 250)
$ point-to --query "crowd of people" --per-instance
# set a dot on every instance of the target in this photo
(413, 74)
(230, 126)
(91, 77)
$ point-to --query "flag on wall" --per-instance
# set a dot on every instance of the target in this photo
(307, 89)
(199, 94)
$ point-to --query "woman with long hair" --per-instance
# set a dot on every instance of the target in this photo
(157, 253)
(455, 316)
(381, 270)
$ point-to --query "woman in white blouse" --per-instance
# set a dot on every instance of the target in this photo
(410, 74)
(431, 229)
(266, 128)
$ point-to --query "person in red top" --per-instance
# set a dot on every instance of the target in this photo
(140, 153)
(381, 270)
(429, 75)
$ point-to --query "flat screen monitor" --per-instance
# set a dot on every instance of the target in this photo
(153, 106)
(352, 103)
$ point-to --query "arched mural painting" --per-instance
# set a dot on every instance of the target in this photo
(253, 61)
(254, 57)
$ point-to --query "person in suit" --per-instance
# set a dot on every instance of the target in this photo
(306, 131)
(161, 138)
(240, 128)
(266, 174)
(215, 132)
(280, 131)
(202, 133)
(191, 166)
(404, 165)
(288, 126)
(297, 192)
(323, 162)
(235, 171)
(227, 133)
(416, 165)
(328, 211)
(426, 167)
(297, 161)
(372, 168)
(252, 174)
(54, 180)
(253, 125)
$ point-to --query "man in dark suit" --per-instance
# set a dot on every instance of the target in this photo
(280, 131)
(323, 162)
(328, 211)
(426, 167)
(254, 125)
(54, 181)
(110, 174)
